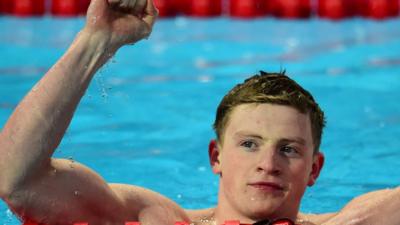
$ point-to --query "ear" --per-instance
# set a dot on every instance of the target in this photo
(213, 155)
(318, 163)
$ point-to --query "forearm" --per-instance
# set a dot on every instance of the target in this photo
(37, 125)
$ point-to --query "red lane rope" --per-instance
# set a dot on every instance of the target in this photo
(247, 9)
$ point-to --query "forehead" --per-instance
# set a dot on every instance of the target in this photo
(270, 120)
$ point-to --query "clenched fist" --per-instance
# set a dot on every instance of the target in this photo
(121, 21)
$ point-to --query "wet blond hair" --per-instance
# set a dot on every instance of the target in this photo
(273, 88)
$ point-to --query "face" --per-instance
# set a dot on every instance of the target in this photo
(265, 162)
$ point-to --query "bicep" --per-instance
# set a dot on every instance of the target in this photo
(65, 192)
(314, 219)
(378, 207)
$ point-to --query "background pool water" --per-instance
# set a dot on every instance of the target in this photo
(146, 119)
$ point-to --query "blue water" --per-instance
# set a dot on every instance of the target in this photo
(146, 119)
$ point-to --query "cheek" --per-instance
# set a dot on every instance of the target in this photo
(301, 173)
(233, 166)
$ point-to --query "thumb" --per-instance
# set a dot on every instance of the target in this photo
(150, 14)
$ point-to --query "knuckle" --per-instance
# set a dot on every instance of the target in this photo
(113, 2)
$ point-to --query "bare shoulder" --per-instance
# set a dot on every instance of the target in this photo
(377, 207)
(150, 204)
(314, 219)
(200, 214)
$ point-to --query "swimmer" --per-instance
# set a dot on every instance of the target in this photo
(266, 151)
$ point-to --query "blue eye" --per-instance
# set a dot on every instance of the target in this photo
(289, 151)
(249, 145)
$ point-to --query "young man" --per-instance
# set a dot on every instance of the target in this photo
(266, 153)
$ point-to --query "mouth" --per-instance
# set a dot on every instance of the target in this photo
(267, 186)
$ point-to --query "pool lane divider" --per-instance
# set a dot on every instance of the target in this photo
(374, 9)
(297, 9)
(336, 9)
(246, 9)
(378, 9)
(198, 8)
(205, 8)
(6, 6)
(69, 8)
(24, 8)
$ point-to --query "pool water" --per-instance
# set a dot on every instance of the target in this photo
(146, 119)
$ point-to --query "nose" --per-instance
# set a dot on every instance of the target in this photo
(269, 162)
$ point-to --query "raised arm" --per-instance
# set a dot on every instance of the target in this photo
(380, 207)
(48, 190)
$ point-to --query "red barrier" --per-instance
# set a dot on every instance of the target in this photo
(291, 9)
(65, 7)
(6, 6)
(165, 8)
(336, 9)
(28, 7)
(247, 8)
(83, 6)
(205, 8)
(182, 6)
(381, 9)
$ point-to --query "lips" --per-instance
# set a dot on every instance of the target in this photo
(267, 186)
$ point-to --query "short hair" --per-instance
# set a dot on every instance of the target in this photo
(274, 88)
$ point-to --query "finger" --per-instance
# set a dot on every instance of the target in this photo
(151, 13)
(128, 4)
(125, 6)
(113, 2)
(139, 7)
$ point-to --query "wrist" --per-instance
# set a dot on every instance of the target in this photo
(88, 52)
(99, 41)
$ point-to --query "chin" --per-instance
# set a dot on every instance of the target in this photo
(271, 210)
(263, 211)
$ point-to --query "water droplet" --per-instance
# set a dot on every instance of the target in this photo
(71, 165)
(76, 193)
(94, 19)
(35, 87)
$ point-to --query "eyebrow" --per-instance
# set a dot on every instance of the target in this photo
(298, 140)
(247, 134)
(295, 139)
